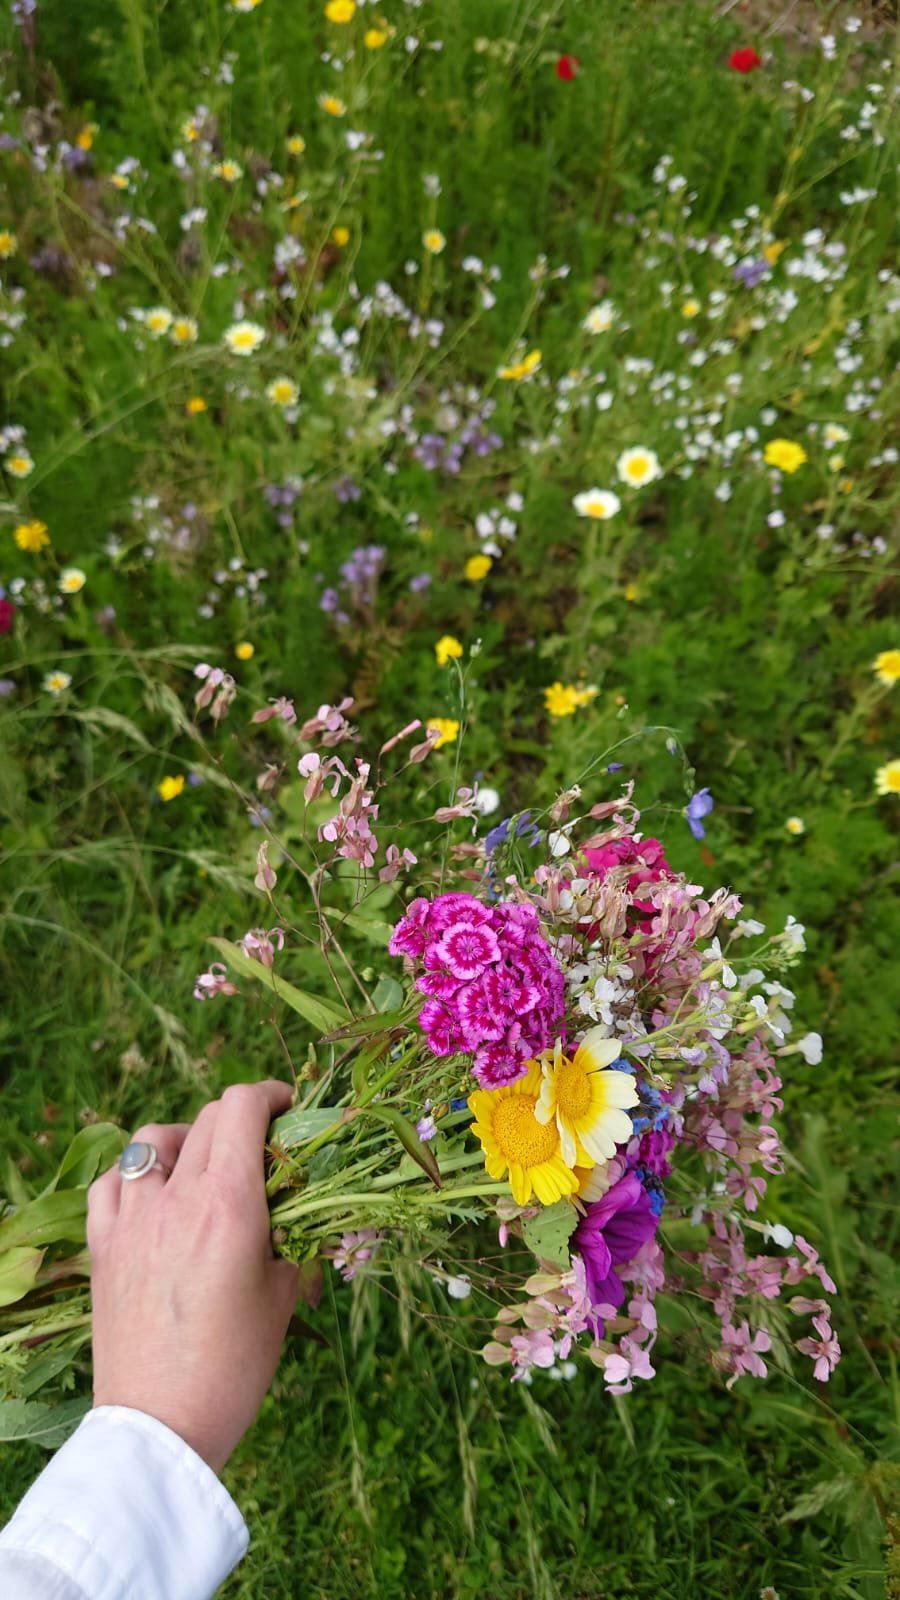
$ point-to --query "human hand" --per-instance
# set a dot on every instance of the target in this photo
(190, 1305)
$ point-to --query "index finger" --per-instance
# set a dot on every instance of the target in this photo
(239, 1134)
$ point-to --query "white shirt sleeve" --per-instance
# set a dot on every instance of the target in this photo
(124, 1511)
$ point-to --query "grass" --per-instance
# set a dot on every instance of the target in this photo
(387, 1460)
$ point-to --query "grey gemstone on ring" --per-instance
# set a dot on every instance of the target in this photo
(136, 1159)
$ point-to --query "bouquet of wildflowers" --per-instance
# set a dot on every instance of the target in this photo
(554, 1093)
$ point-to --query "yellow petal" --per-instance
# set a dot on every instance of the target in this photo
(597, 1051)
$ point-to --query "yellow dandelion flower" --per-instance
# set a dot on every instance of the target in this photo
(564, 699)
(447, 649)
(795, 825)
(477, 567)
(184, 330)
(19, 464)
(31, 536)
(447, 729)
(170, 788)
(295, 144)
(784, 454)
(72, 580)
(332, 105)
(340, 236)
(375, 38)
(887, 778)
(9, 244)
(886, 666)
(518, 370)
(195, 406)
(245, 651)
(516, 1143)
(340, 11)
(586, 1100)
(282, 392)
(434, 241)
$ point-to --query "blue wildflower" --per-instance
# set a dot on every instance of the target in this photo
(698, 807)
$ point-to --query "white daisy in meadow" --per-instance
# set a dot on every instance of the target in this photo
(245, 5)
(243, 338)
(71, 580)
(434, 241)
(598, 504)
(600, 318)
(833, 433)
(56, 682)
(282, 392)
(19, 464)
(157, 321)
(229, 171)
(638, 466)
(184, 330)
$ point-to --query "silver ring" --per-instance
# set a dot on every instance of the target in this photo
(137, 1159)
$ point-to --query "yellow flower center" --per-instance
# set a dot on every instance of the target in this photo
(637, 466)
(573, 1090)
(521, 1139)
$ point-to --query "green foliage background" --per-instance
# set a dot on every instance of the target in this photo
(387, 1461)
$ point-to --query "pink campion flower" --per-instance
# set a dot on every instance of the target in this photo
(395, 863)
(262, 945)
(266, 877)
(320, 774)
(742, 1352)
(809, 1267)
(411, 727)
(825, 1351)
(213, 982)
(281, 707)
(630, 1361)
(329, 726)
(217, 692)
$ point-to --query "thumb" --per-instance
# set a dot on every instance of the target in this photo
(284, 1280)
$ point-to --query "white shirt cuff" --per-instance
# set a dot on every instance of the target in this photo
(126, 1509)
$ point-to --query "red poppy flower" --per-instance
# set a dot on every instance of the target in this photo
(7, 612)
(744, 60)
(567, 68)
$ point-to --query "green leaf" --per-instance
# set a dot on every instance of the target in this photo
(47, 1220)
(384, 1022)
(92, 1150)
(412, 1144)
(300, 1124)
(387, 995)
(40, 1423)
(19, 1268)
(320, 1013)
(371, 928)
(547, 1235)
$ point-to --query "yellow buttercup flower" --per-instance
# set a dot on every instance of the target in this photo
(195, 406)
(784, 454)
(887, 778)
(170, 788)
(9, 244)
(340, 236)
(477, 567)
(447, 729)
(333, 105)
(31, 536)
(375, 38)
(515, 1142)
(564, 699)
(886, 666)
(447, 649)
(245, 651)
(340, 11)
(521, 369)
(86, 137)
(587, 1102)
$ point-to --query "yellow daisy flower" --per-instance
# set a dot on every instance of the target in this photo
(447, 649)
(886, 666)
(242, 338)
(515, 1142)
(157, 321)
(184, 330)
(295, 144)
(564, 699)
(477, 567)
(229, 171)
(170, 788)
(447, 729)
(784, 454)
(586, 1101)
(887, 778)
(282, 392)
(31, 536)
(9, 244)
(19, 464)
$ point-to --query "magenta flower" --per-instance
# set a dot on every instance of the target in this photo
(466, 949)
(610, 1234)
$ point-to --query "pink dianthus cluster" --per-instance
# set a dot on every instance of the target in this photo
(493, 984)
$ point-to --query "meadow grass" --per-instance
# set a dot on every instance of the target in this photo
(736, 609)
